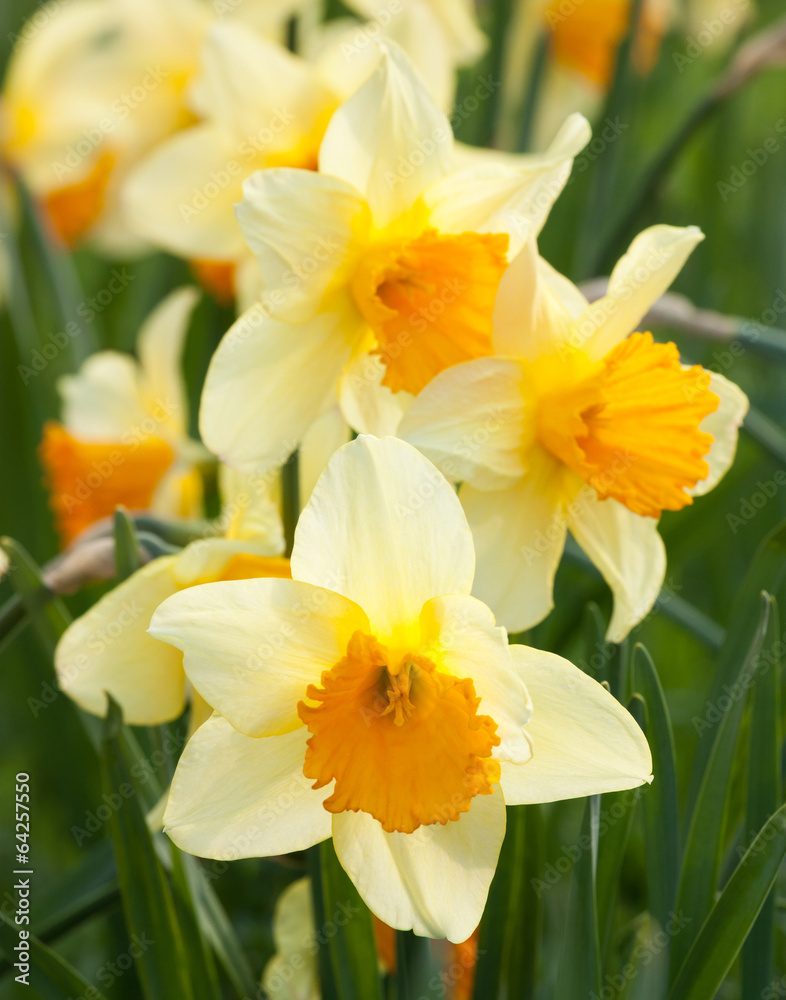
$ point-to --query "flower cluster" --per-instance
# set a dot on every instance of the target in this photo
(456, 407)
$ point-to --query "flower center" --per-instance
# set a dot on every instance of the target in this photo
(429, 301)
(630, 424)
(88, 479)
(73, 209)
(402, 741)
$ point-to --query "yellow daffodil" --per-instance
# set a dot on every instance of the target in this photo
(583, 40)
(379, 271)
(91, 87)
(582, 424)
(371, 699)
(259, 106)
(108, 650)
(124, 434)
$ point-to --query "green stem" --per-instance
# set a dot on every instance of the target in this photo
(534, 84)
(290, 501)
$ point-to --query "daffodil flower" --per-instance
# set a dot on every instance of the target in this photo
(108, 650)
(91, 87)
(124, 434)
(370, 698)
(582, 424)
(259, 106)
(379, 271)
(583, 42)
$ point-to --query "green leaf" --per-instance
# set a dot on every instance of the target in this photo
(763, 798)
(221, 934)
(579, 970)
(349, 932)
(704, 843)
(512, 923)
(661, 816)
(327, 981)
(767, 572)
(202, 967)
(415, 968)
(47, 613)
(290, 498)
(617, 810)
(147, 900)
(725, 929)
(49, 974)
(126, 546)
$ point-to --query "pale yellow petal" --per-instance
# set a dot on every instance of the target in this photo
(252, 647)
(628, 551)
(267, 97)
(103, 400)
(389, 141)
(724, 425)
(434, 881)
(301, 226)
(323, 439)
(584, 742)
(519, 535)
(267, 383)
(237, 797)
(181, 197)
(368, 406)
(532, 310)
(469, 421)
(160, 344)
(384, 528)
(108, 650)
(653, 261)
(495, 196)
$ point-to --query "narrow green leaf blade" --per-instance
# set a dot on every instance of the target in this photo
(147, 899)
(703, 848)
(49, 974)
(512, 923)
(661, 816)
(763, 799)
(580, 967)
(126, 546)
(732, 917)
(47, 613)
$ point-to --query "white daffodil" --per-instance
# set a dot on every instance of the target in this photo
(108, 649)
(124, 432)
(371, 699)
(91, 87)
(581, 424)
(259, 106)
(379, 271)
(582, 42)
